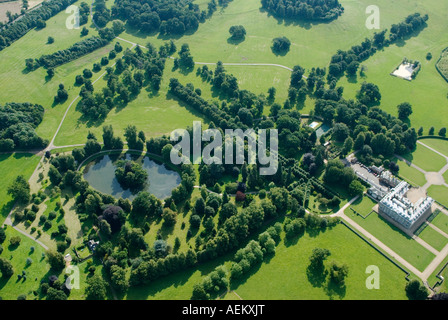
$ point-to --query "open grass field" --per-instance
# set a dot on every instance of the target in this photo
(433, 238)
(395, 239)
(437, 144)
(11, 166)
(20, 85)
(426, 159)
(410, 174)
(439, 193)
(154, 114)
(363, 205)
(11, 288)
(441, 222)
(284, 275)
(209, 44)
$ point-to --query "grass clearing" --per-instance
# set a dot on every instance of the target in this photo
(154, 114)
(426, 159)
(437, 144)
(433, 238)
(441, 222)
(363, 205)
(439, 193)
(411, 174)
(285, 274)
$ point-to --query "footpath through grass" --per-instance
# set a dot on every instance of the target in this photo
(426, 159)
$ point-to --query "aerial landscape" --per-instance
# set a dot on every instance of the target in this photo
(223, 150)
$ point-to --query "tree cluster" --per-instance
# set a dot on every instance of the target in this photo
(349, 61)
(137, 69)
(307, 10)
(17, 126)
(167, 17)
(131, 175)
(61, 57)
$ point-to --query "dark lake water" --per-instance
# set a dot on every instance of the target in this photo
(100, 174)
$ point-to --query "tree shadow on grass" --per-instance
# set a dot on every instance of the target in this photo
(190, 109)
(334, 289)
(352, 78)
(3, 282)
(316, 276)
(235, 283)
(290, 241)
(235, 42)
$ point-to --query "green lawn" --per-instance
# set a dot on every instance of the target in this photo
(285, 276)
(411, 174)
(209, 44)
(426, 159)
(433, 238)
(363, 205)
(285, 273)
(445, 176)
(11, 288)
(154, 114)
(438, 144)
(19, 85)
(395, 239)
(433, 279)
(439, 193)
(10, 167)
(441, 222)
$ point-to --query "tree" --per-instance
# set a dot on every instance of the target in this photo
(131, 175)
(56, 260)
(84, 32)
(340, 132)
(404, 110)
(6, 268)
(50, 40)
(50, 73)
(2, 235)
(360, 140)
(55, 294)
(338, 273)
(237, 32)
(318, 257)
(118, 278)
(96, 288)
(369, 94)
(280, 45)
(356, 188)
(20, 190)
(416, 290)
(271, 93)
(442, 132)
(348, 146)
